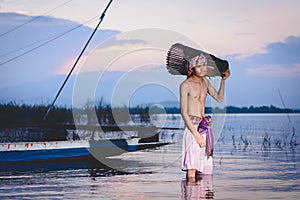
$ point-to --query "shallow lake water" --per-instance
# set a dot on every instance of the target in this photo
(256, 157)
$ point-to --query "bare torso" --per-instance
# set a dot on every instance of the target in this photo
(197, 92)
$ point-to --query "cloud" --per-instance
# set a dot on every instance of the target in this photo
(255, 79)
(242, 21)
(276, 70)
(245, 34)
(12, 20)
(115, 43)
(280, 59)
(44, 61)
(67, 66)
(287, 52)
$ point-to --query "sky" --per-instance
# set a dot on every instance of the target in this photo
(125, 61)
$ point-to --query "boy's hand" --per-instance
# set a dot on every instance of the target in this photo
(200, 140)
(226, 74)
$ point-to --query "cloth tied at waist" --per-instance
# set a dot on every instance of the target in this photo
(204, 128)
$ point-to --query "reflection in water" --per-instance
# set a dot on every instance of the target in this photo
(200, 187)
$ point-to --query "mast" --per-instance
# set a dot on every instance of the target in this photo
(64, 83)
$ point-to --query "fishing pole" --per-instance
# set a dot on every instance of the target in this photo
(292, 141)
(284, 105)
(101, 19)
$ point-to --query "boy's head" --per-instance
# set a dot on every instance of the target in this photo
(197, 61)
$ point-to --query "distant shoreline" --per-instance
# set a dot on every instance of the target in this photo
(25, 115)
(239, 110)
(156, 109)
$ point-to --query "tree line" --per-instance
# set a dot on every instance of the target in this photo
(13, 113)
(16, 114)
(233, 109)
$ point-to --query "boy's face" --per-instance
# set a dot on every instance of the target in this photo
(200, 70)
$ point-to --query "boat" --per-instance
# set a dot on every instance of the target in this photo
(62, 150)
(75, 148)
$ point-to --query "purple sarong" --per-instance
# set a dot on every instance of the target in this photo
(203, 128)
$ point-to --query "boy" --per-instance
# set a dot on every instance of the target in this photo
(193, 92)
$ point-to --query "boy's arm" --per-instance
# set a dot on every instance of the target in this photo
(218, 95)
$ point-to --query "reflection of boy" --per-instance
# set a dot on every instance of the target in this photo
(200, 188)
(193, 92)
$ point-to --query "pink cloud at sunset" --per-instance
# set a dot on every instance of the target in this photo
(67, 66)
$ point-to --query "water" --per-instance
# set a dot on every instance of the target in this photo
(256, 156)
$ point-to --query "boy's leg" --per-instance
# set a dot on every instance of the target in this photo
(191, 173)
